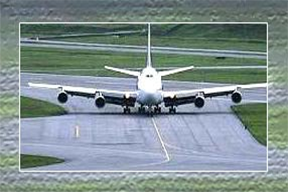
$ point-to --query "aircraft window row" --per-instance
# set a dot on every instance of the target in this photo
(149, 75)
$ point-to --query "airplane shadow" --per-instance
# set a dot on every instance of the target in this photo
(146, 114)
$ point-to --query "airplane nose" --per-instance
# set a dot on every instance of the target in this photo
(150, 97)
(150, 91)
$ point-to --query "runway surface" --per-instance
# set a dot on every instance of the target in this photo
(208, 139)
(142, 49)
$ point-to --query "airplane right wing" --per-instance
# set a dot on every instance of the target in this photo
(123, 98)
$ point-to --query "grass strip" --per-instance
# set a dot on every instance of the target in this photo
(37, 108)
(254, 118)
(27, 161)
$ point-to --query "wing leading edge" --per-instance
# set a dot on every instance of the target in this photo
(175, 98)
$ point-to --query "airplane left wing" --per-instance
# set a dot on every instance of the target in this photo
(123, 98)
(175, 98)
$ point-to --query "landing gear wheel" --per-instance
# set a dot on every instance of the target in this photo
(172, 110)
(126, 110)
(141, 109)
(150, 111)
(157, 109)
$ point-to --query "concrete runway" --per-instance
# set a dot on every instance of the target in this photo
(208, 139)
(142, 49)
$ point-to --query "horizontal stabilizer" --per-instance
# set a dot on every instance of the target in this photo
(173, 71)
(125, 71)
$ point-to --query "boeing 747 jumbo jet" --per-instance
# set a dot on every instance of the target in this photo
(149, 94)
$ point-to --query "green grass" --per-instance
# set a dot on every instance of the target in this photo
(197, 43)
(91, 63)
(238, 37)
(240, 76)
(37, 108)
(59, 29)
(254, 117)
(27, 161)
(239, 31)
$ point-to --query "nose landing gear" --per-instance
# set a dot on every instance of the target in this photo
(141, 109)
(150, 110)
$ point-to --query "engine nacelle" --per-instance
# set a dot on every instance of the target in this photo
(199, 101)
(100, 101)
(236, 97)
(62, 97)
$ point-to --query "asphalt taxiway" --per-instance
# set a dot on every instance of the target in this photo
(207, 139)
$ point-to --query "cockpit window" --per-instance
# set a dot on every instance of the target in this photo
(149, 75)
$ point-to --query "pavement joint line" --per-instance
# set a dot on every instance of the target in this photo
(161, 140)
(210, 155)
(83, 147)
(135, 48)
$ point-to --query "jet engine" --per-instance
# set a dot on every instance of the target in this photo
(62, 97)
(236, 97)
(199, 101)
(100, 100)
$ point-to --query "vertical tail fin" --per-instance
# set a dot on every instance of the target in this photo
(148, 58)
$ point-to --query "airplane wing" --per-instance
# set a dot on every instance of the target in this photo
(175, 98)
(122, 98)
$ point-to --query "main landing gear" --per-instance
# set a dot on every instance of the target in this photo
(172, 109)
(141, 109)
(157, 109)
(150, 110)
(126, 110)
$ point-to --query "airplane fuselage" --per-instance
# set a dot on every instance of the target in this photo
(149, 88)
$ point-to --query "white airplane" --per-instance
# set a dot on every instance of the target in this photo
(149, 94)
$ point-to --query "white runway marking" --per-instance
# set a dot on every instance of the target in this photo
(77, 131)
(161, 140)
